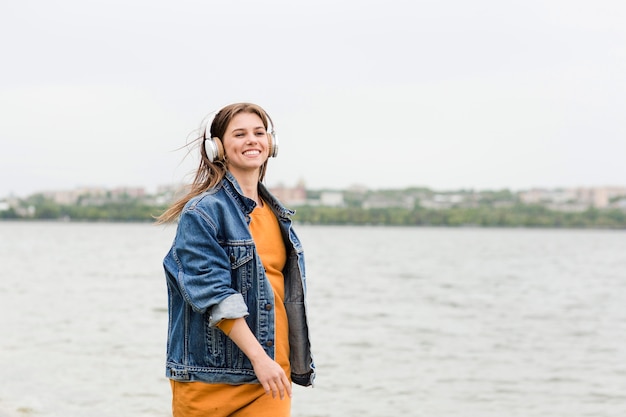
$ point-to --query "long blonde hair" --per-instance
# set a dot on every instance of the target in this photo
(210, 174)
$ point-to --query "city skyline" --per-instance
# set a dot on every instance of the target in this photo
(140, 190)
(559, 200)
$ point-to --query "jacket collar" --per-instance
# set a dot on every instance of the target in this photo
(231, 186)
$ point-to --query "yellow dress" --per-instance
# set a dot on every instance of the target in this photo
(195, 399)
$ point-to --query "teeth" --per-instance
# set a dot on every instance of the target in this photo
(251, 152)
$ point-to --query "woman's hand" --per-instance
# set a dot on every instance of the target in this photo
(271, 376)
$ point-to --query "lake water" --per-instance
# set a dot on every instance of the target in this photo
(405, 321)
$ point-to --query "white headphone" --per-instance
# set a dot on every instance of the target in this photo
(215, 149)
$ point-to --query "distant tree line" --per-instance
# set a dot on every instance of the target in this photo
(517, 215)
(38, 207)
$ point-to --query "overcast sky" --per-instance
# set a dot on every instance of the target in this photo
(481, 94)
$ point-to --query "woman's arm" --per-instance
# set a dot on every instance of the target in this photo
(269, 373)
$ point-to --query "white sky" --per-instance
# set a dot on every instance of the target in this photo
(481, 94)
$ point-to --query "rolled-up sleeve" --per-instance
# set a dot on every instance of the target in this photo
(232, 307)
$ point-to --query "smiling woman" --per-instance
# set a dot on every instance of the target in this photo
(238, 334)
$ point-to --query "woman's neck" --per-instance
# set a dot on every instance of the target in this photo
(249, 185)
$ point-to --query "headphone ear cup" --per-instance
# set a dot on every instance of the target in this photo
(214, 149)
(272, 144)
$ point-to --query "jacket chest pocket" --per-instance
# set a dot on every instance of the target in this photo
(242, 267)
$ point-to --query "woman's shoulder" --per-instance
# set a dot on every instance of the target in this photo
(212, 197)
(212, 206)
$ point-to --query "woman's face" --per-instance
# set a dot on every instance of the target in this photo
(245, 144)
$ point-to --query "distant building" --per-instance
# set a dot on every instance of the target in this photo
(69, 197)
(442, 201)
(61, 197)
(619, 204)
(381, 201)
(132, 192)
(573, 199)
(540, 196)
(331, 199)
(290, 196)
(600, 197)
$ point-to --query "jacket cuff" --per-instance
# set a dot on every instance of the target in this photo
(231, 307)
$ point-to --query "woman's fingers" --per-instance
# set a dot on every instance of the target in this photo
(287, 386)
(278, 386)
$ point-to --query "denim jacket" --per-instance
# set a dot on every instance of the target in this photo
(213, 272)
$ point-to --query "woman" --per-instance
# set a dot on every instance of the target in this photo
(238, 333)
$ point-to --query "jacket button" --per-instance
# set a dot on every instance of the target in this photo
(268, 307)
(269, 343)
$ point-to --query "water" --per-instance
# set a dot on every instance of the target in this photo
(405, 321)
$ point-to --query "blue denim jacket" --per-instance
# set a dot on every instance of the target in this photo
(213, 273)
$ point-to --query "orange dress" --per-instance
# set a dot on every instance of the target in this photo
(195, 399)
